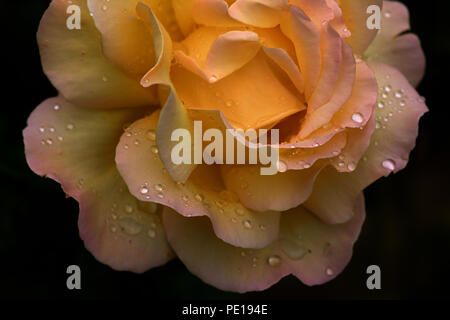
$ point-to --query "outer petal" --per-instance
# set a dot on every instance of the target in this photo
(391, 143)
(202, 195)
(75, 146)
(73, 60)
(311, 250)
(393, 47)
(355, 17)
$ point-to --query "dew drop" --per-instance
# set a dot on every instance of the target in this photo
(247, 224)
(154, 149)
(292, 249)
(104, 7)
(199, 197)
(213, 79)
(274, 261)
(151, 135)
(128, 208)
(351, 166)
(282, 166)
(151, 234)
(159, 187)
(56, 107)
(70, 126)
(130, 226)
(388, 164)
(358, 117)
(399, 94)
(239, 211)
(144, 190)
(329, 272)
(387, 88)
(380, 105)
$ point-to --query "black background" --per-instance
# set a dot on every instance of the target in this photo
(406, 233)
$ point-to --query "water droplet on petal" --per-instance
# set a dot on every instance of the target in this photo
(292, 249)
(239, 211)
(151, 234)
(70, 126)
(351, 166)
(247, 224)
(151, 135)
(282, 166)
(128, 208)
(213, 79)
(144, 190)
(199, 197)
(130, 226)
(56, 107)
(358, 117)
(380, 105)
(274, 261)
(388, 164)
(154, 149)
(329, 272)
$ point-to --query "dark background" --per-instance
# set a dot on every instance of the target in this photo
(407, 231)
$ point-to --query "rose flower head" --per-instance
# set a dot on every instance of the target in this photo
(326, 85)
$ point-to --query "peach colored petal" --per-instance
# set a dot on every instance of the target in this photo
(338, 22)
(393, 47)
(173, 115)
(74, 62)
(258, 13)
(125, 39)
(203, 194)
(307, 248)
(355, 17)
(285, 62)
(322, 114)
(332, 55)
(298, 27)
(304, 158)
(183, 10)
(254, 96)
(228, 52)
(119, 230)
(317, 10)
(279, 192)
(213, 13)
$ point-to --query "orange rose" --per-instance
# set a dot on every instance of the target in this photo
(341, 95)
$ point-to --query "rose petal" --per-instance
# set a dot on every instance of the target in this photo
(119, 230)
(183, 13)
(203, 194)
(125, 39)
(213, 13)
(255, 96)
(173, 115)
(317, 10)
(307, 248)
(393, 47)
(298, 27)
(258, 13)
(73, 61)
(228, 52)
(279, 192)
(355, 17)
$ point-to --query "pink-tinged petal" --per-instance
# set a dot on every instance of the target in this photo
(298, 27)
(317, 10)
(389, 149)
(228, 52)
(319, 115)
(173, 115)
(255, 96)
(125, 39)
(355, 17)
(304, 158)
(184, 14)
(338, 21)
(258, 13)
(213, 13)
(75, 147)
(307, 248)
(279, 192)
(393, 47)
(74, 62)
(203, 194)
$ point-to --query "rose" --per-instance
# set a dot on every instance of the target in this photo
(341, 95)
